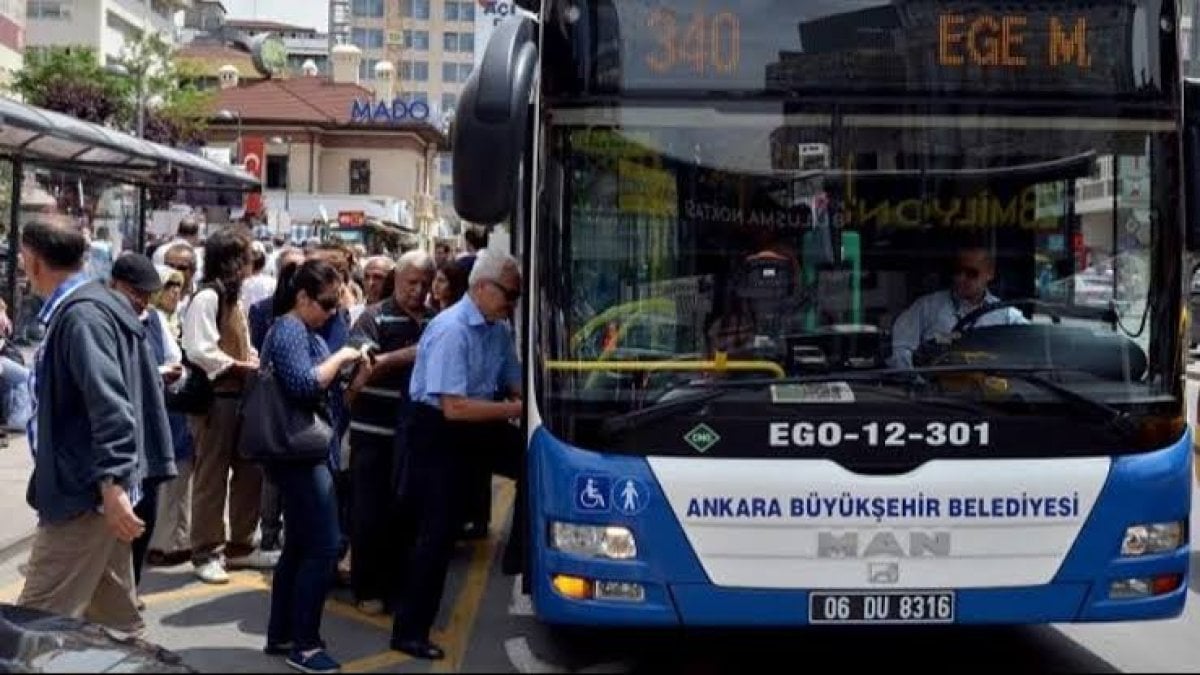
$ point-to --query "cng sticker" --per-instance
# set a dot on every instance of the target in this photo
(701, 437)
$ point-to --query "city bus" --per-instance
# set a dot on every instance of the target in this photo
(854, 312)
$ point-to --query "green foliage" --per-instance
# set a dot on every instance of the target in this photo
(71, 80)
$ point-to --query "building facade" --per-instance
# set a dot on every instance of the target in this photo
(432, 45)
(309, 137)
(104, 25)
(12, 38)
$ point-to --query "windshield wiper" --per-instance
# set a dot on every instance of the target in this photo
(1120, 421)
(712, 390)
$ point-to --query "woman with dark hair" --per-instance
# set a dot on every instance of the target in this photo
(216, 339)
(307, 375)
(449, 285)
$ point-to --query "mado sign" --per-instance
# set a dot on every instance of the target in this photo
(385, 112)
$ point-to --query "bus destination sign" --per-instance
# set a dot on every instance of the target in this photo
(1063, 46)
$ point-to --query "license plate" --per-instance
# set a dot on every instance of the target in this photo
(858, 607)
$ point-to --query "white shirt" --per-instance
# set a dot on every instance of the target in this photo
(256, 288)
(933, 316)
(201, 334)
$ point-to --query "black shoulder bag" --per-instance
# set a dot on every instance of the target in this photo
(274, 429)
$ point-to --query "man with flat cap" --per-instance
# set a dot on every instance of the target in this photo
(99, 431)
(135, 278)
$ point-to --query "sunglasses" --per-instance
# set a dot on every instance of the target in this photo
(510, 294)
(329, 303)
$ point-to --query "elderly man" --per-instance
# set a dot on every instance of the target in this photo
(466, 361)
(395, 325)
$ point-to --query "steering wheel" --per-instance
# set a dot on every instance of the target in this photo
(968, 321)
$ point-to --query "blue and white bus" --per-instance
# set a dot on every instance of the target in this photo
(759, 392)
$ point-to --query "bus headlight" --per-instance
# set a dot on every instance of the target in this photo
(597, 541)
(1152, 538)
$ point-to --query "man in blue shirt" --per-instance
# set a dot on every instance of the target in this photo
(933, 316)
(466, 386)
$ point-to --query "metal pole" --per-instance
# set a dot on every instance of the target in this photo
(238, 157)
(141, 224)
(287, 182)
(141, 106)
(14, 237)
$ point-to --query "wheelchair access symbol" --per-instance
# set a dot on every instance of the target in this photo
(592, 493)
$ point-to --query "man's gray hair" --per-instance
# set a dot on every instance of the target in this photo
(417, 259)
(384, 260)
(490, 266)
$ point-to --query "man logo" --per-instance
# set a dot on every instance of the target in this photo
(883, 573)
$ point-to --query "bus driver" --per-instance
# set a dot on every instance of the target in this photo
(933, 316)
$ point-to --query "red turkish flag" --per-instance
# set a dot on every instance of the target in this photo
(254, 161)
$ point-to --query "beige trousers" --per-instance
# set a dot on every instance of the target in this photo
(81, 570)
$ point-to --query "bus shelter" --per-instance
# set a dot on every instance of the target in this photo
(33, 138)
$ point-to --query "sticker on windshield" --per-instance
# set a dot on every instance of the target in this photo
(812, 392)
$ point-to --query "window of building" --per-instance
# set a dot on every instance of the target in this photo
(366, 69)
(456, 10)
(370, 9)
(449, 101)
(459, 42)
(415, 71)
(417, 40)
(415, 96)
(277, 172)
(50, 9)
(456, 72)
(360, 176)
(414, 9)
(445, 165)
(446, 197)
(367, 38)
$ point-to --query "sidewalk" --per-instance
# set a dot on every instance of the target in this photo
(19, 521)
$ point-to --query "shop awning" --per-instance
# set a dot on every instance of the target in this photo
(43, 136)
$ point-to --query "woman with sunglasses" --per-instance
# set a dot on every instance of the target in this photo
(307, 295)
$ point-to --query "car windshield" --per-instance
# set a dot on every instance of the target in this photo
(760, 241)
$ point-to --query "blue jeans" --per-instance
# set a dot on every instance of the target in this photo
(306, 567)
(18, 405)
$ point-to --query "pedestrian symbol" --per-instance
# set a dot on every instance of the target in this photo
(629, 496)
(592, 492)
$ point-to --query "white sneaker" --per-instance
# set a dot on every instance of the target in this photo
(212, 572)
(258, 559)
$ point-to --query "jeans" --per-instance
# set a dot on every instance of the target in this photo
(18, 405)
(306, 567)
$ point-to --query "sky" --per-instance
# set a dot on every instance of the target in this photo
(307, 13)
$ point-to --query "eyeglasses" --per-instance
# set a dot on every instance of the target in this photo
(510, 294)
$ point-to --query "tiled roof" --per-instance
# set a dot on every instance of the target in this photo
(308, 100)
(266, 25)
(210, 58)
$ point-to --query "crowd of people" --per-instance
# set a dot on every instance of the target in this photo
(407, 365)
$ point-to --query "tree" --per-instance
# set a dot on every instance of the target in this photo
(176, 107)
(71, 81)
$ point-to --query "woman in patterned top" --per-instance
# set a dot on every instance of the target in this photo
(308, 376)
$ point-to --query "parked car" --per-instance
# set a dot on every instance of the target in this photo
(36, 642)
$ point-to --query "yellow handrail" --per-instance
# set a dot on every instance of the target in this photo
(719, 365)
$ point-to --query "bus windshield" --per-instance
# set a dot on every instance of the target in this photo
(698, 245)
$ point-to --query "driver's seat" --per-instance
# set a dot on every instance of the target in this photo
(767, 286)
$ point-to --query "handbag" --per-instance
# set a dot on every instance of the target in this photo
(194, 396)
(274, 429)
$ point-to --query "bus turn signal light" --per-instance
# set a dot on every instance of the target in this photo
(574, 588)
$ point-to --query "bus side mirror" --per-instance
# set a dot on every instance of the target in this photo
(489, 132)
(1191, 163)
